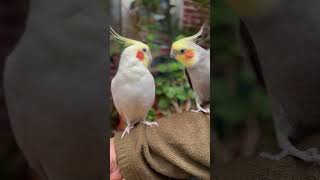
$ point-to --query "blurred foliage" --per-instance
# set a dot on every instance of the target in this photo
(203, 2)
(171, 86)
(157, 23)
(225, 29)
(237, 95)
(155, 18)
(115, 47)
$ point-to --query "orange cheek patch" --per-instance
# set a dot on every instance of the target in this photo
(189, 54)
(140, 55)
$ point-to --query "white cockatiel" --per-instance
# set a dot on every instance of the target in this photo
(197, 68)
(133, 87)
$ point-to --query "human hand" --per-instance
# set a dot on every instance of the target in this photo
(114, 168)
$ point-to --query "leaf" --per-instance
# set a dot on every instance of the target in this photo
(151, 115)
(163, 103)
(162, 68)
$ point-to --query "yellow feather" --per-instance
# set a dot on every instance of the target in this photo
(183, 43)
(194, 37)
(126, 41)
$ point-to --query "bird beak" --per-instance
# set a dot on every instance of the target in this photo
(172, 54)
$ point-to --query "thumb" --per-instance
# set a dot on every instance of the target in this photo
(115, 173)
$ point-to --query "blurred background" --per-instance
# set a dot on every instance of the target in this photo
(158, 23)
(242, 116)
(13, 166)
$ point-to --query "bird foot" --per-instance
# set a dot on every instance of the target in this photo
(148, 123)
(127, 130)
(310, 155)
(207, 110)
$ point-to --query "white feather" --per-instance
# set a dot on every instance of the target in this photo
(133, 90)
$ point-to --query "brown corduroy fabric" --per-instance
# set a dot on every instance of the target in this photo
(179, 148)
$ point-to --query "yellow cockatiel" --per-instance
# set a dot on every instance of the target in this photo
(197, 63)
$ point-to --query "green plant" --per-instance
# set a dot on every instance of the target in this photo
(172, 89)
(203, 2)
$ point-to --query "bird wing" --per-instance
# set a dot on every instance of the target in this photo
(188, 77)
(133, 97)
(114, 94)
(250, 53)
(201, 72)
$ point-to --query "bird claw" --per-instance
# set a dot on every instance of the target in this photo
(148, 123)
(310, 155)
(276, 157)
(127, 130)
(192, 110)
(207, 110)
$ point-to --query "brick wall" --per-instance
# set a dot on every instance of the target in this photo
(193, 14)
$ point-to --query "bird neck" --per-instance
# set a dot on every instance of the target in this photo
(203, 59)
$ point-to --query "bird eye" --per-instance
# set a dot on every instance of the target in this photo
(144, 50)
(182, 51)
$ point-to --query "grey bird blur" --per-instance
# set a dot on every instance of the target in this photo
(55, 88)
(282, 40)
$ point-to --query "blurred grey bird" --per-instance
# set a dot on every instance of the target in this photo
(55, 89)
(281, 39)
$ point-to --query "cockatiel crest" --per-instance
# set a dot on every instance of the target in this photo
(134, 48)
(185, 50)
